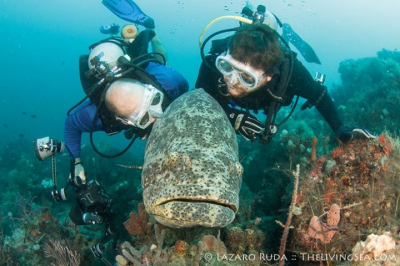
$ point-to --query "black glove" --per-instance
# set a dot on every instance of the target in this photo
(245, 124)
(345, 133)
(140, 45)
(138, 132)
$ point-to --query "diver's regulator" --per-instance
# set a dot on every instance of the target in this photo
(257, 16)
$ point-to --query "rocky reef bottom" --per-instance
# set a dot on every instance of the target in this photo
(345, 212)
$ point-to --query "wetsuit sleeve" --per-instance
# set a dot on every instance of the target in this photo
(173, 82)
(305, 86)
(78, 122)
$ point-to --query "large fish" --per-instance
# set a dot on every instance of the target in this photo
(191, 173)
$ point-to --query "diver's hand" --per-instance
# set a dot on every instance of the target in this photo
(345, 133)
(137, 132)
(362, 133)
(79, 177)
(245, 124)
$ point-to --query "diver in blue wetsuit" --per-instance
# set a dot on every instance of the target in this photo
(128, 90)
(163, 79)
(105, 63)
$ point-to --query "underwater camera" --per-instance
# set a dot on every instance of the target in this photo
(93, 205)
(46, 147)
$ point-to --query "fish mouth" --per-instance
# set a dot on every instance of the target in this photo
(183, 213)
(189, 194)
(233, 207)
(189, 205)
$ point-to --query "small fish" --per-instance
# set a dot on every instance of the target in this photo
(33, 116)
(137, 167)
(24, 113)
(21, 135)
(5, 125)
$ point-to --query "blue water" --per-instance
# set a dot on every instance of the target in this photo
(41, 42)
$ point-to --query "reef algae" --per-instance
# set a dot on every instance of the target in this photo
(344, 203)
(191, 173)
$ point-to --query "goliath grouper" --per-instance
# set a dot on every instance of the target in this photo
(191, 173)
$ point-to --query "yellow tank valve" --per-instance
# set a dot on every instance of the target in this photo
(129, 32)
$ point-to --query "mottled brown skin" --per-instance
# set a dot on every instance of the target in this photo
(191, 174)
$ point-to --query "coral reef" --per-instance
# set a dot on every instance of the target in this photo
(213, 244)
(370, 86)
(179, 254)
(347, 203)
(32, 228)
(299, 142)
(349, 194)
(282, 247)
(30, 219)
(241, 241)
(61, 253)
(374, 246)
(208, 250)
(325, 231)
(138, 224)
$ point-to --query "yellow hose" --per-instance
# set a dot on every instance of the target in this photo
(242, 19)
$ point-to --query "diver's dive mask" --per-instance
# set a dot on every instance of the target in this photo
(236, 71)
(150, 108)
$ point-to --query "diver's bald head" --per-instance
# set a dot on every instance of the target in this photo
(124, 96)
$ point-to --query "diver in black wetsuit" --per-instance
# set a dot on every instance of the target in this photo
(254, 70)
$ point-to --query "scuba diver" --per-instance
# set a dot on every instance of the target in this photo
(147, 85)
(97, 67)
(254, 69)
(127, 89)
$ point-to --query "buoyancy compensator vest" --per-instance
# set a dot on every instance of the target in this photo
(131, 66)
(97, 79)
(276, 94)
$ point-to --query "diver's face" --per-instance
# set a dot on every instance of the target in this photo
(145, 107)
(241, 79)
(238, 90)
